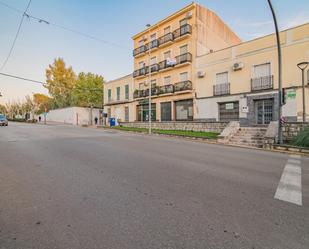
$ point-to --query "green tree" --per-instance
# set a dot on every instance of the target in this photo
(88, 90)
(60, 82)
(2, 109)
(42, 101)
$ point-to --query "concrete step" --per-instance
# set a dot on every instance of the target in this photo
(248, 145)
(246, 141)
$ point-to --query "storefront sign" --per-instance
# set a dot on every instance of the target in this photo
(291, 94)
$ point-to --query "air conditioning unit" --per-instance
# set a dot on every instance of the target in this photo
(189, 14)
(200, 74)
(238, 66)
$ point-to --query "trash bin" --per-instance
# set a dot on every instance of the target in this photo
(112, 122)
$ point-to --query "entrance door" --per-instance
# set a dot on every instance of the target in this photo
(229, 111)
(264, 111)
(166, 111)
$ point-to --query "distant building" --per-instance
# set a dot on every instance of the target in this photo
(73, 115)
(118, 98)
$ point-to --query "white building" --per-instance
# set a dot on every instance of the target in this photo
(73, 115)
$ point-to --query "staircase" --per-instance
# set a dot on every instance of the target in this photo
(249, 137)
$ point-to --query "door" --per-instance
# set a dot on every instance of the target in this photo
(264, 111)
(229, 111)
(166, 111)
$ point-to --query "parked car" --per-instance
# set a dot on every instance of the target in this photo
(3, 120)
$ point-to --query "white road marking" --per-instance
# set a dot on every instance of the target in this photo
(289, 188)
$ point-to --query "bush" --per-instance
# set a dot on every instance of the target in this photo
(302, 139)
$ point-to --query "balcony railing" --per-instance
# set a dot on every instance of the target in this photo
(153, 44)
(165, 64)
(139, 50)
(140, 72)
(165, 89)
(165, 38)
(183, 86)
(183, 58)
(262, 83)
(221, 89)
(153, 68)
(183, 30)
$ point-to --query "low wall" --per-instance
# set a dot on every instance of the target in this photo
(291, 129)
(179, 125)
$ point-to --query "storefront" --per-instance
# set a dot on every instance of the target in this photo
(142, 112)
(184, 110)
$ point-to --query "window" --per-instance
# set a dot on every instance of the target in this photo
(109, 95)
(141, 43)
(262, 70)
(141, 86)
(126, 113)
(183, 49)
(184, 110)
(109, 113)
(118, 93)
(153, 60)
(153, 83)
(167, 30)
(183, 76)
(126, 91)
(141, 64)
(166, 111)
(167, 80)
(167, 55)
(153, 37)
(143, 112)
(222, 78)
(183, 22)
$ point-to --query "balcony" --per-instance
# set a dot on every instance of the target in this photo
(166, 64)
(262, 83)
(183, 86)
(165, 40)
(140, 72)
(153, 68)
(183, 59)
(182, 32)
(139, 51)
(165, 89)
(153, 44)
(221, 89)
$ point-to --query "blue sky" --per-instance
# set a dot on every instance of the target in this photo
(115, 21)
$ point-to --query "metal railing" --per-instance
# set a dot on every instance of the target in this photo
(183, 86)
(221, 89)
(166, 89)
(139, 72)
(164, 64)
(165, 38)
(183, 30)
(153, 68)
(183, 58)
(262, 83)
(153, 44)
(139, 50)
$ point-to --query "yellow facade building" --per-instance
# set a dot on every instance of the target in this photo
(200, 70)
(241, 82)
(118, 98)
(165, 55)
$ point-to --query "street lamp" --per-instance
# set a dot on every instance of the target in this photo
(302, 66)
(149, 81)
(279, 73)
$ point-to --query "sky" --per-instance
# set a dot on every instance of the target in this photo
(114, 21)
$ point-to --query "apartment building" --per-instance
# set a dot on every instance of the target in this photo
(118, 98)
(165, 56)
(241, 82)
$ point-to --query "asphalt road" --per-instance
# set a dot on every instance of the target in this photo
(65, 187)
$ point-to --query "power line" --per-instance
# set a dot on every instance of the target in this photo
(40, 20)
(44, 83)
(16, 36)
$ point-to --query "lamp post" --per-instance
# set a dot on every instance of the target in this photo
(149, 81)
(302, 66)
(279, 73)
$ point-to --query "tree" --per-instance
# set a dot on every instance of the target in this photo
(2, 109)
(60, 82)
(42, 101)
(88, 90)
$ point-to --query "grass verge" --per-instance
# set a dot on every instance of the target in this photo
(198, 134)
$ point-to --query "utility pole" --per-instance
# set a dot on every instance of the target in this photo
(149, 80)
(279, 73)
(302, 66)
